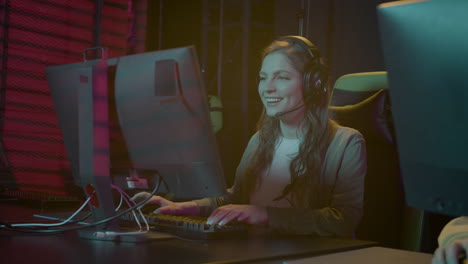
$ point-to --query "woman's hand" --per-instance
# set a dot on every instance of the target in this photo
(168, 207)
(250, 214)
(450, 254)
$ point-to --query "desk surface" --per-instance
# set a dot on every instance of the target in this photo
(68, 248)
(368, 255)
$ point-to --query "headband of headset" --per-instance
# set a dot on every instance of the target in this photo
(315, 72)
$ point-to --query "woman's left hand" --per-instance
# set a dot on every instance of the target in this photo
(250, 214)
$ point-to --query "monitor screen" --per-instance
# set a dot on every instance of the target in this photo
(161, 110)
(425, 47)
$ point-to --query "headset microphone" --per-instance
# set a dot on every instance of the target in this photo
(289, 111)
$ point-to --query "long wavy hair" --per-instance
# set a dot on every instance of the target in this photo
(318, 130)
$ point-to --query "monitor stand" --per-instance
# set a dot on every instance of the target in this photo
(132, 238)
(99, 234)
(94, 156)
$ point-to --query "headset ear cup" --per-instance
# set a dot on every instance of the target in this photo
(307, 90)
(318, 84)
(314, 84)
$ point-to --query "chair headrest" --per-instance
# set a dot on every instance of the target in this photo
(353, 88)
(362, 81)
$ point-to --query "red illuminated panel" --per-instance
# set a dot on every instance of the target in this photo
(67, 12)
(42, 34)
(36, 143)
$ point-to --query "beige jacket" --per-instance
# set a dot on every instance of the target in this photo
(339, 208)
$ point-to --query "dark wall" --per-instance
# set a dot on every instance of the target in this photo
(174, 24)
(355, 43)
(346, 32)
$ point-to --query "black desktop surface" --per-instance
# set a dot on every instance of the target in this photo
(69, 248)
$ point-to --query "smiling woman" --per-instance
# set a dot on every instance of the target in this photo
(280, 85)
(301, 173)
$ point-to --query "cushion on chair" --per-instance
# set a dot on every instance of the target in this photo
(372, 117)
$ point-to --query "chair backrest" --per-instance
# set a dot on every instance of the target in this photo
(361, 101)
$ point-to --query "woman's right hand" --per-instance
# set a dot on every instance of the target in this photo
(168, 207)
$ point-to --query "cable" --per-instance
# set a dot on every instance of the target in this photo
(124, 196)
(6, 227)
(81, 219)
(129, 201)
(56, 224)
(120, 203)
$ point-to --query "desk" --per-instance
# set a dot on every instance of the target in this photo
(369, 255)
(68, 248)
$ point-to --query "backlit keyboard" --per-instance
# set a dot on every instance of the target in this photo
(190, 227)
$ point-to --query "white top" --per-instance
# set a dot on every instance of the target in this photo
(273, 180)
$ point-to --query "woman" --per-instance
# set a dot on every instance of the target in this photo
(301, 173)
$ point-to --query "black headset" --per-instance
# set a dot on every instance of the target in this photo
(315, 72)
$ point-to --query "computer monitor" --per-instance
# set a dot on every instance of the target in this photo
(425, 47)
(162, 113)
